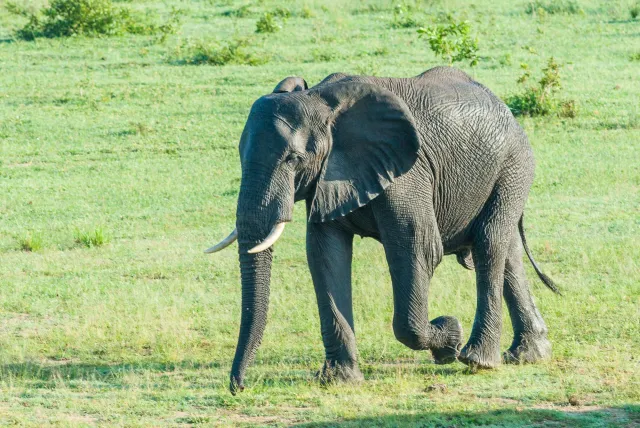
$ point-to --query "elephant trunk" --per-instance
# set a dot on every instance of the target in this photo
(261, 207)
(255, 272)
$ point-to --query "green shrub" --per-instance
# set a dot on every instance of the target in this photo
(268, 24)
(64, 18)
(541, 99)
(231, 52)
(452, 41)
(552, 7)
(30, 242)
(634, 11)
(634, 56)
(94, 238)
(306, 12)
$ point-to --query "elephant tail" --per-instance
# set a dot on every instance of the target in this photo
(544, 278)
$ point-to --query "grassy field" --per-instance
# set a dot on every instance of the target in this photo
(119, 165)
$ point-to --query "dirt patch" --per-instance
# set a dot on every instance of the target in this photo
(578, 409)
(238, 418)
(615, 416)
(82, 419)
(20, 165)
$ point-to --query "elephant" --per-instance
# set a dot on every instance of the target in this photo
(429, 166)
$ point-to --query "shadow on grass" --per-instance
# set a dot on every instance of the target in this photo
(592, 416)
(48, 374)
(69, 370)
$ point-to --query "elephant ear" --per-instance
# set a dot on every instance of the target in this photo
(373, 140)
(290, 84)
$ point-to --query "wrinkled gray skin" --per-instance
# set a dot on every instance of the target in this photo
(429, 166)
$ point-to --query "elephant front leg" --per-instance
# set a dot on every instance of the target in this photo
(413, 249)
(410, 275)
(329, 253)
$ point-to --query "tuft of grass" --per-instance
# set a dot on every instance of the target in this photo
(634, 11)
(31, 242)
(370, 8)
(403, 17)
(634, 56)
(139, 128)
(552, 7)
(323, 55)
(568, 109)
(281, 12)
(211, 53)
(306, 12)
(240, 12)
(505, 59)
(541, 99)
(92, 238)
(452, 41)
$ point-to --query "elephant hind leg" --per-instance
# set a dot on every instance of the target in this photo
(483, 348)
(493, 232)
(530, 341)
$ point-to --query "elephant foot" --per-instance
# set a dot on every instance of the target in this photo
(448, 340)
(528, 348)
(235, 385)
(339, 371)
(479, 357)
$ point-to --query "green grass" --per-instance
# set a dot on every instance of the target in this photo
(92, 238)
(110, 131)
(30, 242)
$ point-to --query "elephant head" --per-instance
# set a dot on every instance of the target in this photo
(336, 145)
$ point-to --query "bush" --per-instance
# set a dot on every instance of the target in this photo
(268, 24)
(64, 18)
(232, 52)
(552, 7)
(95, 238)
(306, 12)
(634, 11)
(541, 99)
(451, 41)
(30, 242)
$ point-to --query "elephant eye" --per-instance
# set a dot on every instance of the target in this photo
(293, 158)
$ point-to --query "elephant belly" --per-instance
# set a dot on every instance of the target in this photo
(360, 222)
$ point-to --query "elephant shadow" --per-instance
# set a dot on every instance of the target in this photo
(592, 416)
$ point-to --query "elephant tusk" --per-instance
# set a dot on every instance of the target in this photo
(269, 240)
(224, 243)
